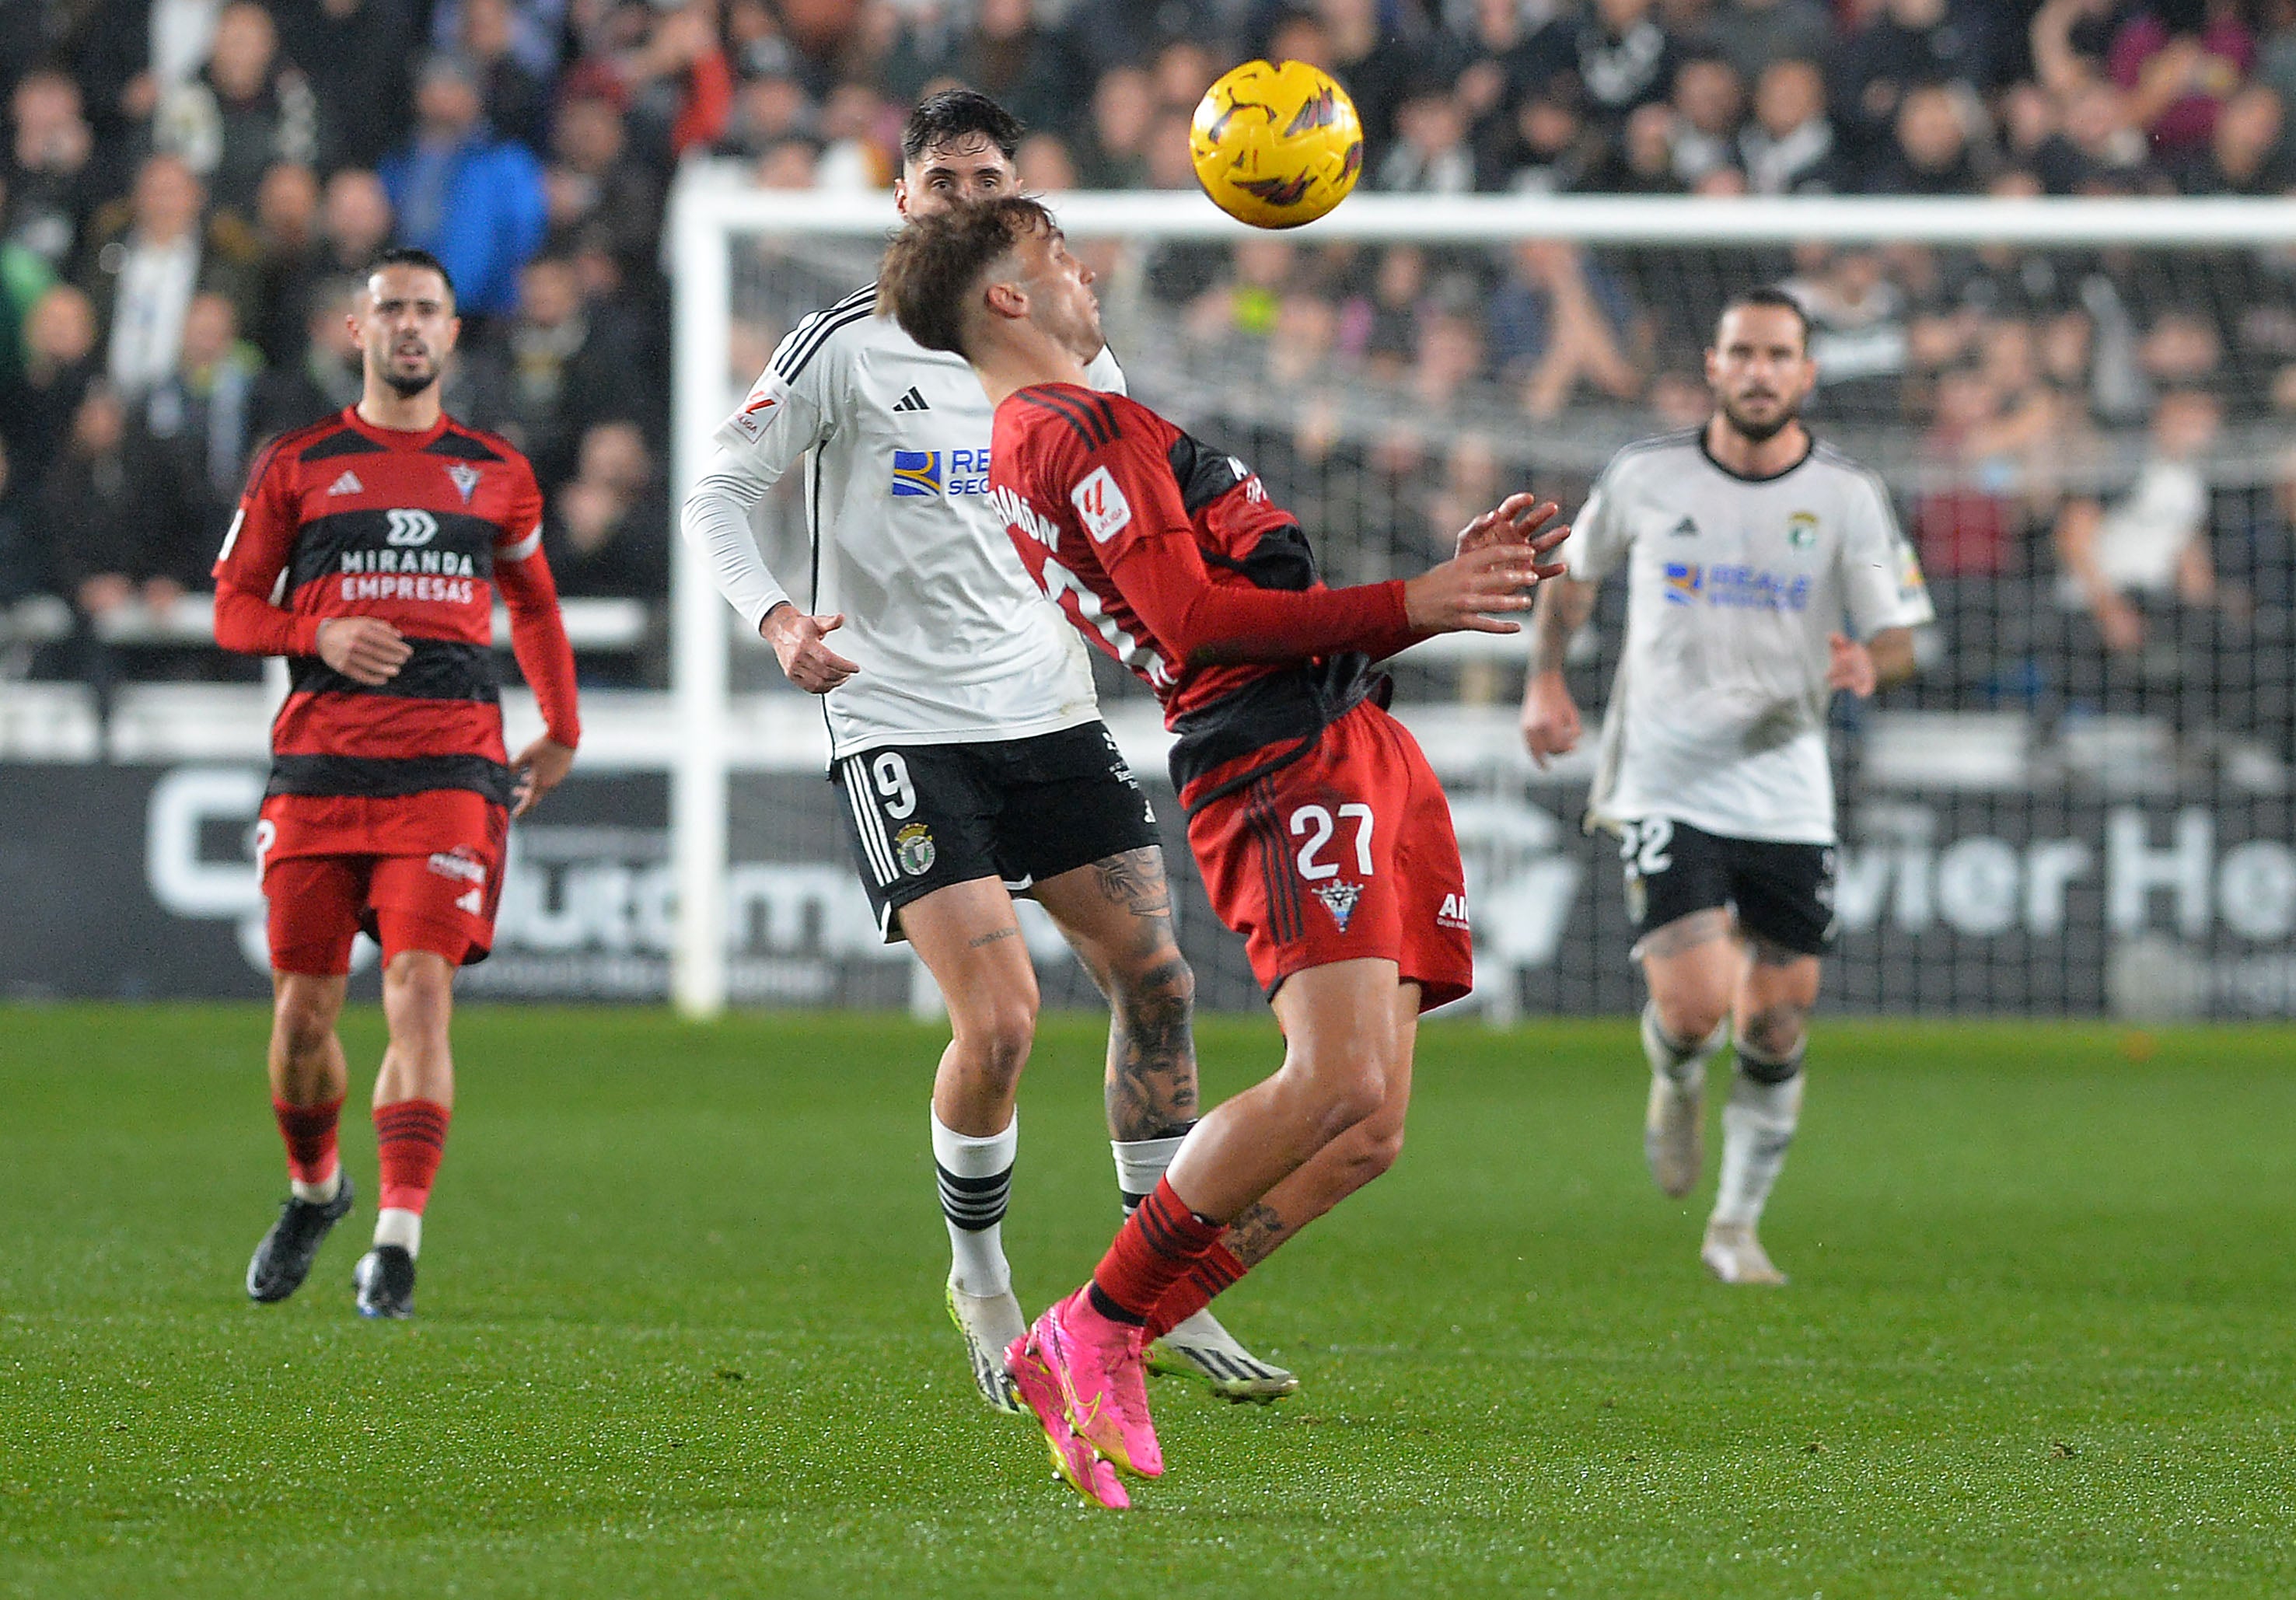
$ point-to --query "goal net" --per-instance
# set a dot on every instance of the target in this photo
(2081, 805)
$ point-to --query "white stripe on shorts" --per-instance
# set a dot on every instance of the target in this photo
(870, 825)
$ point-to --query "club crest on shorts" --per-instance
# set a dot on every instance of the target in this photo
(465, 477)
(1339, 899)
(913, 847)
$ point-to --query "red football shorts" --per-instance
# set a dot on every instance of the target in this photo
(1345, 854)
(419, 872)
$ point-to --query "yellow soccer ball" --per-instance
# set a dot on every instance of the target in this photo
(1276, 146)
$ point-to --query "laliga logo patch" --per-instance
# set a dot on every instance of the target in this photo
(913, 847)
(466, 479)
(1102, 506)
(756, 412)
(1339, 899)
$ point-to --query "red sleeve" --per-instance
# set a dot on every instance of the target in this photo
(1130, 506)
(709, 103)
(537, 633)
(253, 559)
(252, 626)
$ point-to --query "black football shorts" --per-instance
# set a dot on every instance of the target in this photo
(924, 817)
(1782, 892)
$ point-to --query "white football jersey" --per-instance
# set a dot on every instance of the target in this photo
(1717, 716)
(953, 642)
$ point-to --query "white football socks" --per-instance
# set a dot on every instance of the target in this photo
(1668, 1057)
(318, 1194)
(975, 1176)
(1757, 1125)
(1141, 1164)
(403, 1228)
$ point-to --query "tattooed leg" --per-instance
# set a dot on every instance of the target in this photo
(1693, 966)
(1117, 914)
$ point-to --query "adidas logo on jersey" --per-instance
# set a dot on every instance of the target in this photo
(1688, 529)
(348, 484)
(911, 401)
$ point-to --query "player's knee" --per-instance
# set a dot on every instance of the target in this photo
(303, 1025)
(993, 1035)
(1690, 1016)
(1343, 1086)
(1771, 1050)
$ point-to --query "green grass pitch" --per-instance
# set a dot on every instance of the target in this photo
(680, 1331)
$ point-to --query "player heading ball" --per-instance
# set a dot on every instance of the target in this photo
(1322, 835)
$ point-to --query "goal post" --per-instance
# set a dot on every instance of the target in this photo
(743, 262)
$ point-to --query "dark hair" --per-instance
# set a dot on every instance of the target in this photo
(1772, 297)
(935, 265)
(957, 114)
(407, 255)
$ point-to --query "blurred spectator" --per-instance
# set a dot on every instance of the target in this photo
(468, 198)
(132, 53)
(2097, 149)
(564, 369)
(197, 417)
(2245, 154)
(1931, 153)
(1911, 44)
(2179, 60)
(244, 109)
(1751, 34)
(1449, 357)
(323, 380)
(60, 362)
(1709, 103)
(112, 519)
(860, 151)
(143, 261)
(1502, 57)
(1430, 155)
(290, 260)
(516, 98)
(676, 84)
(1374, 71)
(2148, 553)
(537, 29)
(1559, 323)
(768, 110)
(608, 533)
(1005, 55)
(355, 221)
(1790, 147)
(1045, 165)
(1624, 58)
(52, 176)
(791, 164)
(1857, 333)
(24, 278)
(1248, 303)
(595, 179)
(356, 55)
(1123, 106)
(1548, 149)
(1381, 328)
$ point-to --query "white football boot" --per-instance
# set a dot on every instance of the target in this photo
(988, 1324)
(1203, 1349)
(1733, 1254)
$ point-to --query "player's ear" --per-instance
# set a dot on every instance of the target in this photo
(901, 197)
(1008, 298)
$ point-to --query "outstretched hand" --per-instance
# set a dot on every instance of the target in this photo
(796, 638)
(537, 770)
(1496, 570)
(1513, 521)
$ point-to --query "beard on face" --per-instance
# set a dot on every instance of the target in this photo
(1756, 430)
(408, 385)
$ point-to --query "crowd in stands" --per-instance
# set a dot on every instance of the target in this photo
(189, 188)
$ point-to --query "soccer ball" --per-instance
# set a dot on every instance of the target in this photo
(1276, 146)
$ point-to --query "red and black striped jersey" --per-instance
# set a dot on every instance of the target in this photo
(344, 519)
(1170, 556)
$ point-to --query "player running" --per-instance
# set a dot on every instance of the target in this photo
(1750, 548)
(1323, 836)
(965, 735)
(368, 550)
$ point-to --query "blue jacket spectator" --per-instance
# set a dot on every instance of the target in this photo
(472, 200)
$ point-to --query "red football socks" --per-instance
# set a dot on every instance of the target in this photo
(1210, 1276)
(1153, 1250)
(309, 1131)
(410, 1137)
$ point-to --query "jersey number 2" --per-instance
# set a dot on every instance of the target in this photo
(1643, 846)
(1317, 824)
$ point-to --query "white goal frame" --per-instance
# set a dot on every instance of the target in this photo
(712, 206)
